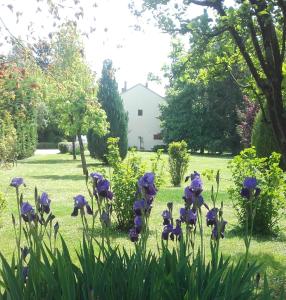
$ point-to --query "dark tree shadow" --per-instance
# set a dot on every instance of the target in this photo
(48, 161)
(58, 177)
(96, 164)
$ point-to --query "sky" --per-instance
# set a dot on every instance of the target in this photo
(134, 53)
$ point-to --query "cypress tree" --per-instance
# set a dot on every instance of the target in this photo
(111, 102)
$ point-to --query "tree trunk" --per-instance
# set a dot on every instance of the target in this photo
(277, 119)
(82, 156)
(73, 148)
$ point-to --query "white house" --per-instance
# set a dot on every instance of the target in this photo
(142, 106)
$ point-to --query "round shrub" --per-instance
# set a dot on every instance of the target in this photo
(64, 147)
(178, 161)
(262, 137)
(271, 181)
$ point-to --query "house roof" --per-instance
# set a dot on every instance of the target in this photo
(142, 85)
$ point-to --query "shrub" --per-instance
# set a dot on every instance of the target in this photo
(271, 181)
(64, 147)
(262, 137)
(8, 140)
(178, 161)
(124, 183)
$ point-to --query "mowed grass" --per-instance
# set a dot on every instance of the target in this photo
(61, 177)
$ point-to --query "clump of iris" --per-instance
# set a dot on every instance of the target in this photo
(146, 193)
(104, 196)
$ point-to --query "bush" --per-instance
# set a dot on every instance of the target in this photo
(272, 183)
(178, 161)
(125, 177)
(262, 137)
(8, 140)
(47, 145)
(64, 147)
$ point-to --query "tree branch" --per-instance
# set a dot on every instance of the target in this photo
(257, 47)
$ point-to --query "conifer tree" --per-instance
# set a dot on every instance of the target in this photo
(111, 102)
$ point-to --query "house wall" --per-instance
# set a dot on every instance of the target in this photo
(145, 126)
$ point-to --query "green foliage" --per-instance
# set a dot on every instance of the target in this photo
(73, 93)
(201, 109)
(158, 168)
(178, 161)
(124, 183)
(120, 274)
(272, 183)
(112, 104)
(113, 155)
(64, 147)
(262, 137)
(8, 140)
(19, 90)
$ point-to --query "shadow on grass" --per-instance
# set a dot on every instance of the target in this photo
(96, 164)
(266, 260)
(48, 161)
(239, 232)
(58, 177)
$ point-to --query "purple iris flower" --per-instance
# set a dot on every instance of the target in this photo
(79, 204)
(250, 183)
(17, 181)
(102, 187)
(183, 212)
(138, 223)
(191, 217)
(194, 175)
(44, 202)
(196, 185)
(146, 184)
(188, 195)
(211, 216)
(166, 231)
(177, 231)
(96, 176)
(133, 235)
(166, 217)
(146, 180)
(219, 226)
(27, 212)
(139, 207)
(245, 193)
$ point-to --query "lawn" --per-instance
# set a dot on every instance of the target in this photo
(62, 179)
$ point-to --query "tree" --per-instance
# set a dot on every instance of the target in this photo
(258, 29)
(74, 91)
(201, 105)
(111, 102)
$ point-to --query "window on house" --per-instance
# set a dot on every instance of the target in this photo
(140, 112)
(157, 136)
